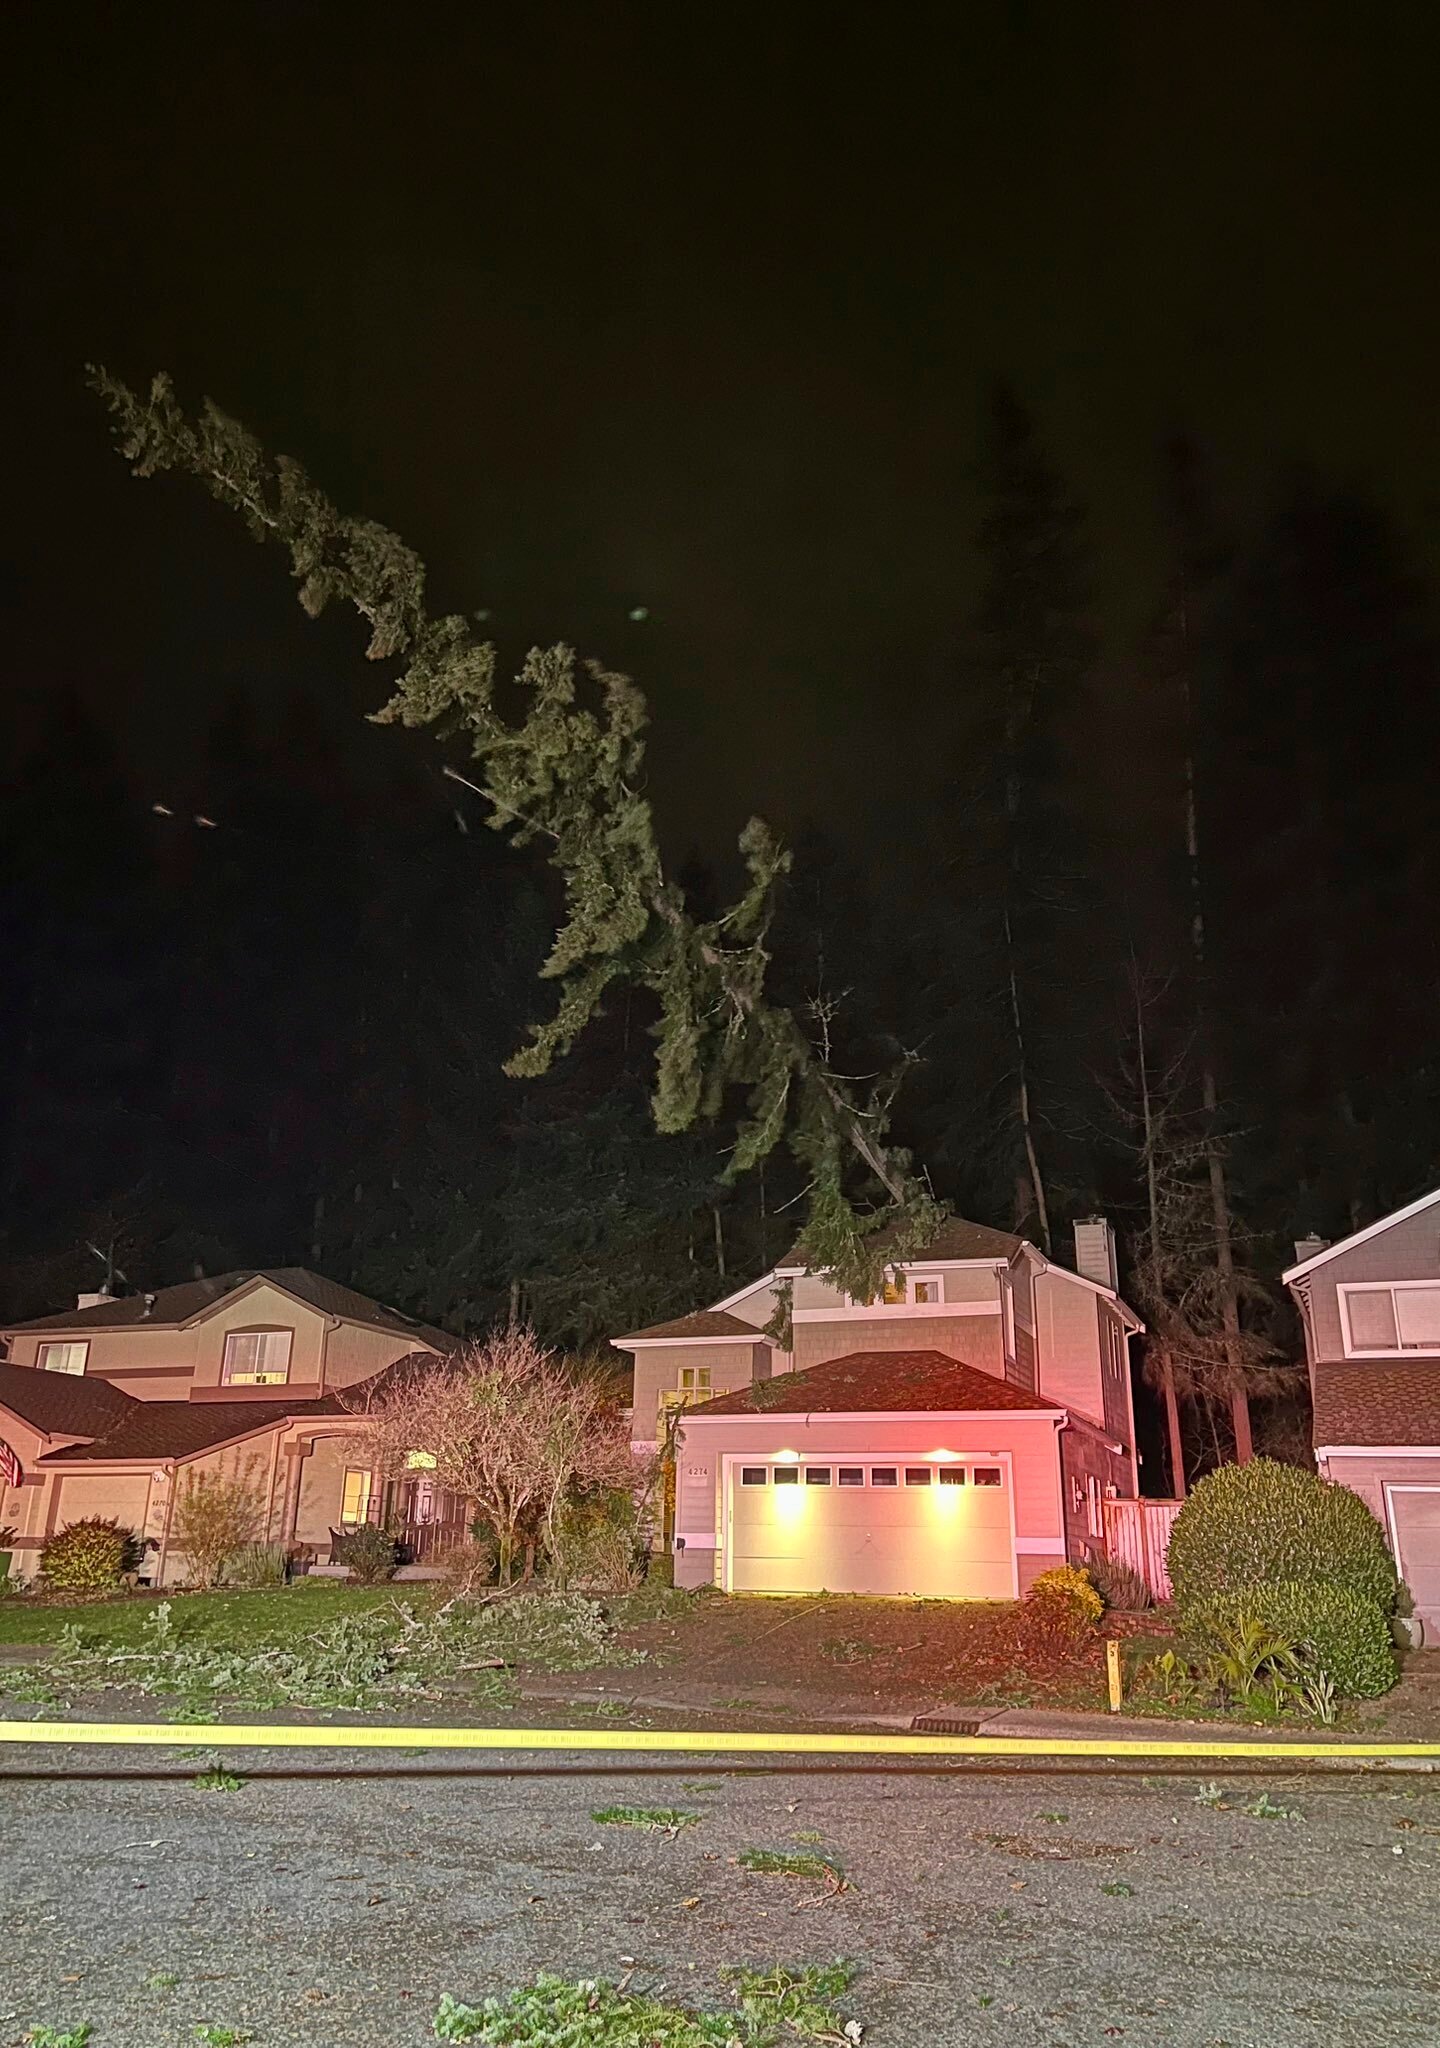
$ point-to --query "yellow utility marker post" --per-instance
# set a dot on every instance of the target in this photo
(1112, 1672)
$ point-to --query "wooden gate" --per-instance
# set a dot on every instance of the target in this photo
(1138, 1533)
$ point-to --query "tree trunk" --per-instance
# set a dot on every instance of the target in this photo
(719, 1244)
(1174, 1436)
(1022, 1095)
(1174, 1439)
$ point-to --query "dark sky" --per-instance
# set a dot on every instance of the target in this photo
(693, 308)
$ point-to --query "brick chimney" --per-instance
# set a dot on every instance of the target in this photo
(1095, 1250)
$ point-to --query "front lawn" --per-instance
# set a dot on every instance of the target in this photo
(279, 1614)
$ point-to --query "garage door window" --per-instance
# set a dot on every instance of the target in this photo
(883, 1475)
(817, 1475)
(952, 1475)
(851, 1475)
(917, 1475)
(786, 1475)
(987, 1475)
(753, 1475)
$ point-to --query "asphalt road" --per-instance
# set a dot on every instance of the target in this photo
(337, 1912)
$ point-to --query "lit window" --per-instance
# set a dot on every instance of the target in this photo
(883, 1475)
(925, 1290)
(787, 1475)
(851, 1475)
(355, 1496)
(257, 1358)
(952, 1475)
(817, 1475)
(62, 1357)
(695, 1379)
(917, 1475)
(753, 1475)
(988, 1475)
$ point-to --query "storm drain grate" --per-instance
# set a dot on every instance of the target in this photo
(943, 1724)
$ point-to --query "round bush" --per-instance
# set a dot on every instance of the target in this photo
(1346, 1634)
(86, 1556)
(1247, 1525)
(1069, 1585)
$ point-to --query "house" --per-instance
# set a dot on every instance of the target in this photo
(1370, 1305)
(105, 1409)
(954, 1438)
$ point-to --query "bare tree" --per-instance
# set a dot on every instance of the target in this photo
(508, 1427)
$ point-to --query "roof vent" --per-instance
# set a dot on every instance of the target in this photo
(1095, 1251)
(99, 1300)
(1310, 1248)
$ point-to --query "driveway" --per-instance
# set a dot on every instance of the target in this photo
(338, 1911)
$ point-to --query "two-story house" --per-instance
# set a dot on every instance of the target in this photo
(107, 1407)
(954, 1438)
(1370, 1304)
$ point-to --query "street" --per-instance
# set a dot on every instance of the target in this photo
(1051, 1909)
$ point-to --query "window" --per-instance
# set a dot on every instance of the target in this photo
(1114, 1347)
(1404, 1317)
(906, 1290)
(695, 1379)
(753, 1475)
(62, 1357)
(355, 1496)
(257, 1358)
(988, 1475)
(952, 1475)
(1094, 1519)
(883, 1475)
(787, 1475)
(925, 1290)
(917, 1475)
(817, 1475)
(851, 1475)
(1007, 1297)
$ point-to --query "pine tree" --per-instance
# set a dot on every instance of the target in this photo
(569, 777)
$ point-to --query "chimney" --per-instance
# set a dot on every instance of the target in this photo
(1095, 1251)
(93, 1300)
(1310, 1247)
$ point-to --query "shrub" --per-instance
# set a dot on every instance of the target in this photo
(86, 1556)
(1069, 1585)
(597, 1543)
(1265, 1523)
(256, 1565)
(369, 1551)
(215, 1516)
(1118, 1584)
(1344, 1633)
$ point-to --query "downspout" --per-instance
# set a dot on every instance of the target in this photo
(270, 1489)
(170, 1484)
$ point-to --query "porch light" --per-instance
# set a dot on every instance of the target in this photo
(787, 1457)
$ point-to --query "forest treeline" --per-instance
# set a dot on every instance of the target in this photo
(1152, 934)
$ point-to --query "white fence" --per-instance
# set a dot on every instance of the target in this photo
(1138, 1533)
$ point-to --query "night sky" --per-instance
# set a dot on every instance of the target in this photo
(696, 310)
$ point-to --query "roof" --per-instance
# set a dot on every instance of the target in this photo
(955, 1239)
(880, 1382)
(169, 1307)
(1345, 1244)
(62, 1403)
(1377, 1401)
(705, 1322)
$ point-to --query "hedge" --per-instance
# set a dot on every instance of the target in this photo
(1267, 1523)
(1348, 1635)
(85, 1556)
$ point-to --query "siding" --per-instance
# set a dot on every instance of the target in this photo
(1409, 1250)
(732, 1366)
(1367, 1473)
(1067, 1329)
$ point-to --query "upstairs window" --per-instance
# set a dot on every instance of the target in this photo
(63, 1357)
(257, 1358)
(1390, 1319)
(695, 1382)
(911, 1290)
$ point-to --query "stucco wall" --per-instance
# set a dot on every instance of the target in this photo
(353, 1352)
(731, 1367)
(974, 1340)
(1406, 1251)
(154, 1365)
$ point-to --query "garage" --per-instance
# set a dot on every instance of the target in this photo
(112, 1496)
(1415, 1520)
(928, 1528)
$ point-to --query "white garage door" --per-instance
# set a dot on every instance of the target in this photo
(1416, 1511)
(870, 1526)
(116, 1497)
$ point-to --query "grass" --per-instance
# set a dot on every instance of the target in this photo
(278, 1614)
(218, 1781)
(61, 2037)
(795, 1863)
(769, 2006)
(669, 1819)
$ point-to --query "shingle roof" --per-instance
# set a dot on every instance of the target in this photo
(955, 1239)
(62, 1403)
(880, 1382)
(1375, 1401)
(171, 1306)
(182, 1429)
(705, 1322)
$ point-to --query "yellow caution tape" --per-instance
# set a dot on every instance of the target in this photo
(744, 1742)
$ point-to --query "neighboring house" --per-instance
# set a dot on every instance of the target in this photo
(106, 1408)
(1370, 1305)
(956, 1437)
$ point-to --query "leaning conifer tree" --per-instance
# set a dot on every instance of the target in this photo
(569, 775)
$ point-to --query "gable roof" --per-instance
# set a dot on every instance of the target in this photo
(1345, 1244)
(1376, 1401)
(881, 1382)
(957, 1238)
(172, 1307)
(705, 1322)
(62, 1403)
